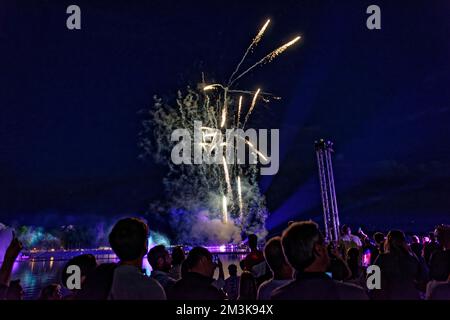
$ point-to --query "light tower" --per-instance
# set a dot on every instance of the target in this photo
(330, 210)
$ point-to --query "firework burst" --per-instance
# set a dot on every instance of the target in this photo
(207, 188)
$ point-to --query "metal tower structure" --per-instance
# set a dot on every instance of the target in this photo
(330, 210)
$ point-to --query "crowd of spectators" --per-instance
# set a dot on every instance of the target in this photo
(297, 265)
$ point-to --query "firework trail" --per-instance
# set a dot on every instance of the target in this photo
(225, 209)
(268, 58)
(239, 111)
(254, 43)
(227, 177)
(252, 106)
(240, 198)
(254, 149)
(224, 116)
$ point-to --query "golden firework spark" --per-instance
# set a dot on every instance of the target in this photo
(224, 116)
(227, 177)
(240, 197)
(225, 209)
(260, 34)
(252, 106)
(259, 153)
(239, 110)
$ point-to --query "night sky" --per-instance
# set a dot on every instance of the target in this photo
(69, 103)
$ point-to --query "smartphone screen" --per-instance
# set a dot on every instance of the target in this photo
(366, 258)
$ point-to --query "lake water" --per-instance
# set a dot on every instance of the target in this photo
(36, 273)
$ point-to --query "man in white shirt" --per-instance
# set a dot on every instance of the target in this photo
(348, 240)
(128, 240)
(281, 270)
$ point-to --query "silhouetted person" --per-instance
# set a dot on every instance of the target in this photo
(430, 247)
(379, 239)
(220, 281)
(337, 266)
(87, 264)
(177, 259)
(197, 277)
(369, 249)
(255, 256)
(98, 283)
(349, 240)
(417, 248)
(242, 265)
(247, 287)
(354, 262)
(128, 240)
(281, 270)
(51, 292)
(15, 291)
(161, 262)
(306, 251)
(231, 286)
(400, 270)
(255, 262)
(440, 259)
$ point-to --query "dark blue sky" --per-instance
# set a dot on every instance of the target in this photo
(69, 103)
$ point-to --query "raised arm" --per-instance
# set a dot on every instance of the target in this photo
(11, 254)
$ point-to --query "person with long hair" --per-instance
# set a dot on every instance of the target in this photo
(400, 270)
(440, 260)
(178, 257)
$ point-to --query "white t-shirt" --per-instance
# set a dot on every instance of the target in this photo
(130, 283)
(351, 241)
